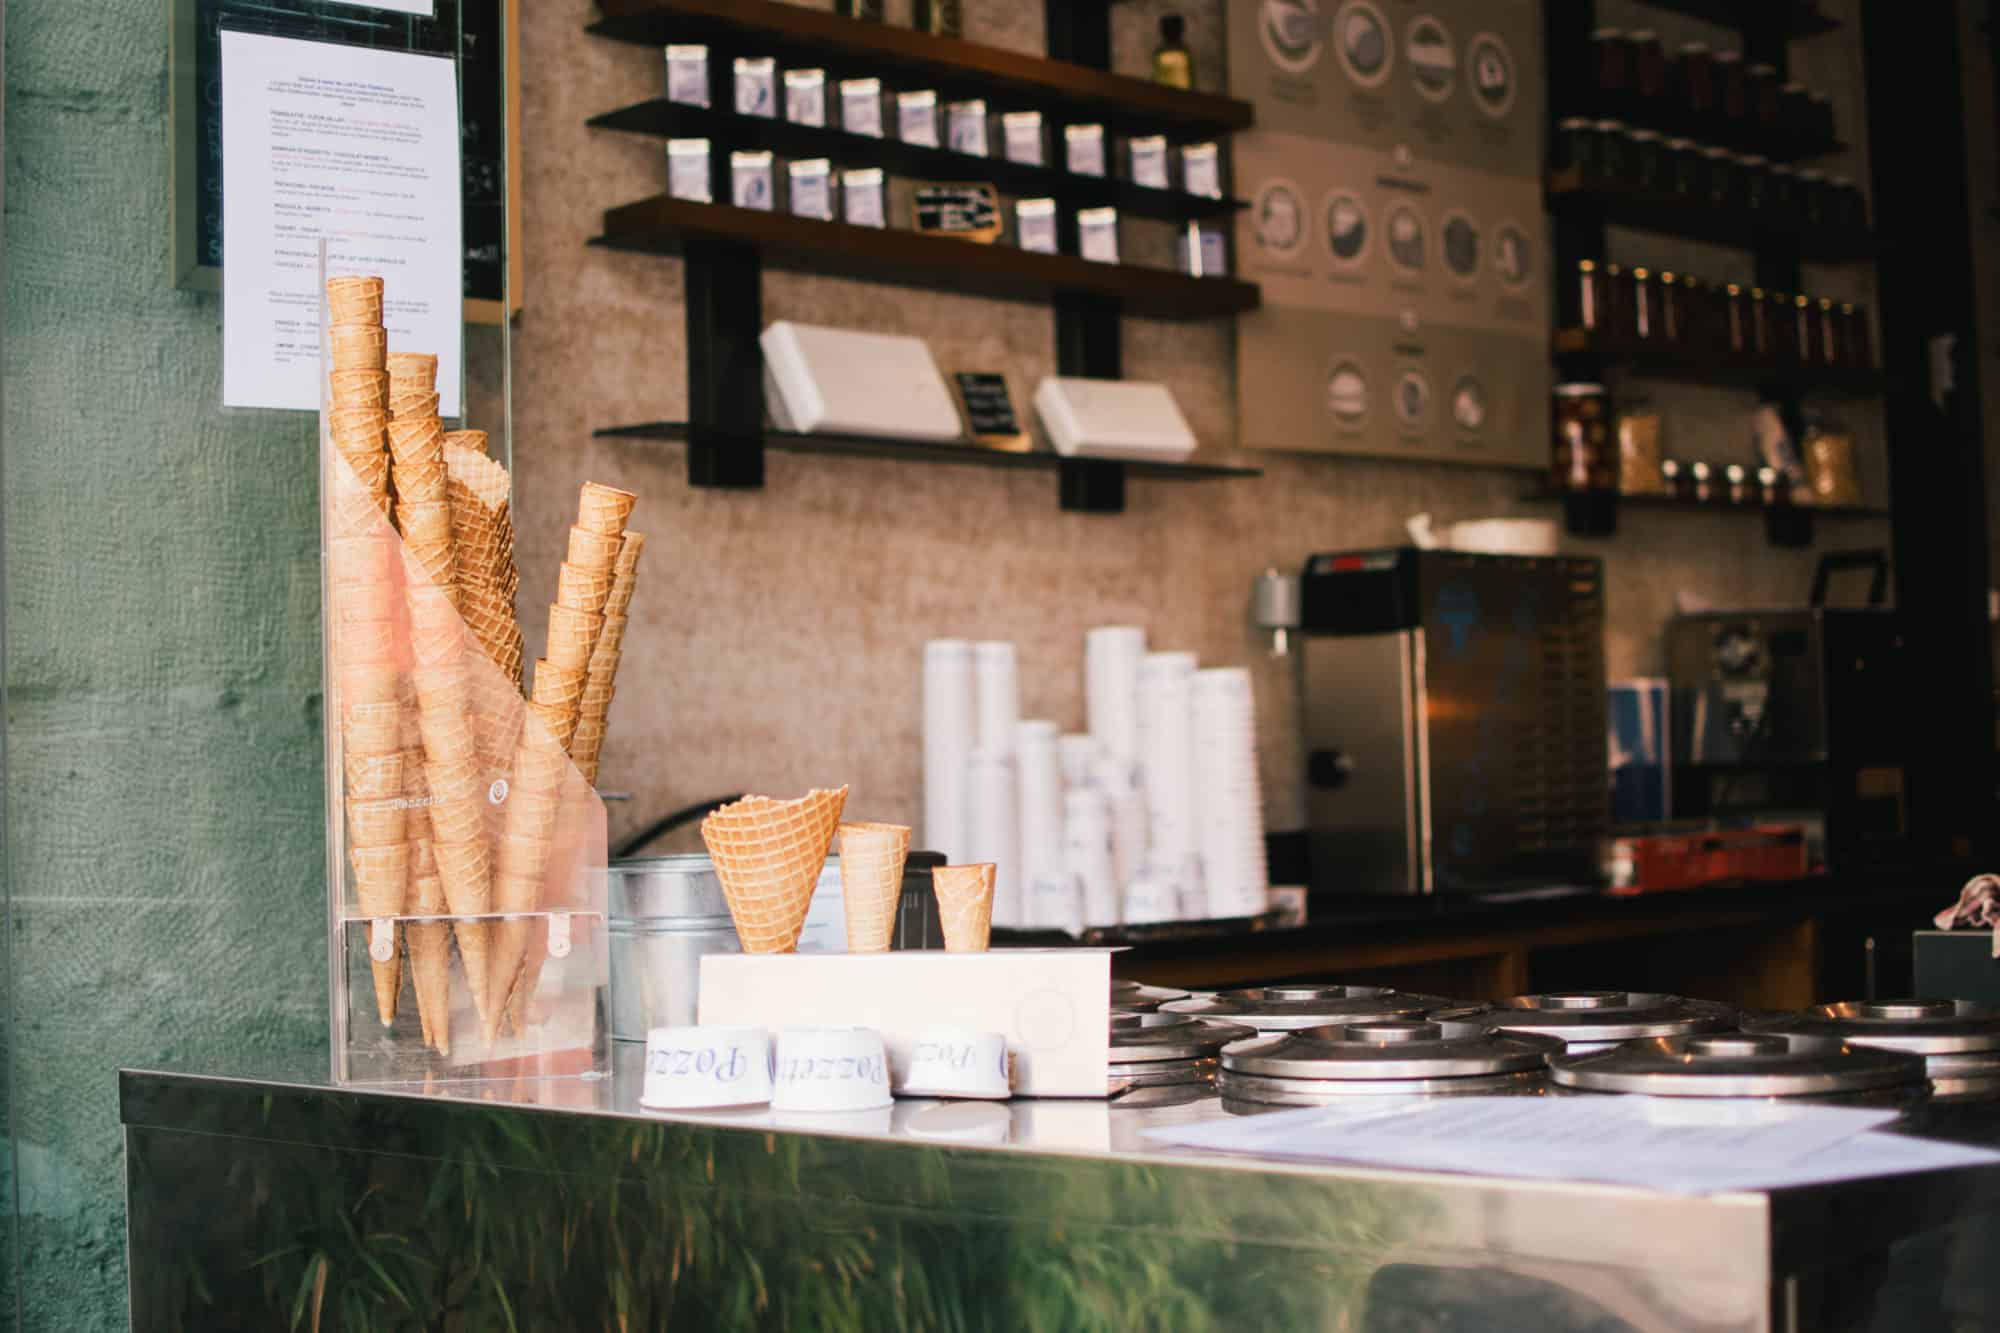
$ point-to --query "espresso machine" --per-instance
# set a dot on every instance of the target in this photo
(1797, 715)
(1454, 711)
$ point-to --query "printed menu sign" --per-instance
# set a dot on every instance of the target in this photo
(1395, 227)
(356, 146)
(989, 409)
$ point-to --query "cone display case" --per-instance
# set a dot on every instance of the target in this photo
(466, 903)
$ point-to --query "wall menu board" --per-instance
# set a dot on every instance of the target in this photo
(1396, 228)
(484, 36)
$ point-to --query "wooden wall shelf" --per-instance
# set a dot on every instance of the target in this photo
(1698, 365)
(662, 225)
(1793, 18)
(1670, 215)
(907, 59)
(730, 131)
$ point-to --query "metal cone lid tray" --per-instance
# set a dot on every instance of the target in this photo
(1140, 1038)
(1137, 997)
(1763, 1064)
(1601, 1016)
(1928, 1027)
(1396, 1048)
(1308, 1005)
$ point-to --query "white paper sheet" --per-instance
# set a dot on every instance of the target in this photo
(360, 147)
(1681, 1146)
(426, 8)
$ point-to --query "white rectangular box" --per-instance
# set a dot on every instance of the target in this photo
(1054, 1005)
(1112, 419)
(853, 383)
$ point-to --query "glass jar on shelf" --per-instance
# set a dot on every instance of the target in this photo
(1582, 459)
(1685, 170)
(1649, 70)
(1667, 309)
(1857, 343)
(1645, 324)
(1756, 185)
(1585, 299)
(1702, 479)
(1699, 96)
(1725, 179)
(1614, 150)
(1765, 103)
(1647, 162)
(1579, 148)
(1732, 91)
(1826, 334)
(1611, 67)
(1736, 478)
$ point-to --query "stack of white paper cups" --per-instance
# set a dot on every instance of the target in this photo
(948, 735)
(1077, 753)
(997, 692)
(993, 829)
(1231, 818)
(1166, 730)
(1051, 896)
(1111, 656)
(1087, 854)
(1126, 801)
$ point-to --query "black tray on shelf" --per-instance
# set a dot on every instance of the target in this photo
(907, 59)
(731, 130)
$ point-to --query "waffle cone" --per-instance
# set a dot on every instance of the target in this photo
(572, 637)
(389, 979)
(359, 388)
(604, 509)
(474, 440)
(420, 483)
(358, 346)
(610, 641)
(965, 905)
(582, 589)
(417, 370)
(520, 1011)
(368, 559)
(532, 814)
(354, 300)
(366, 681)
(381, 822)
(559, 686)
(768, 855)
(374, 776)
(475, 951)
(629, 551)
(371, 729)
(462, 822)
(592, 550)
(871, 882)
(425, 522)
(442, 690)
(429, 946)
(415, 440)
(381, 878)
(542, 763)
(370, 469)
(511, 893)
(412, 404)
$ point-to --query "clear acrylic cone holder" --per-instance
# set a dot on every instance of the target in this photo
(465, 852)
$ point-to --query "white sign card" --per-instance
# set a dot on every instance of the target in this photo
(357, 146)
(425, 8)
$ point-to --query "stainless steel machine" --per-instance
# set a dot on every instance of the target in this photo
(1454, 710)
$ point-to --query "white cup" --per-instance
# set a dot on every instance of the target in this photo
(689, 1068)
(830, 1069)
(956, 1062)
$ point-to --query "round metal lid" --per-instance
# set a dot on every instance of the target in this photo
(1137, 1038)
(1389, 1049)
(1243, 1091)
(1137, 996)
(1738, 1064)
(1308, 1005)
(1608, 1015)
(1928, 1027)
(1158, 1074)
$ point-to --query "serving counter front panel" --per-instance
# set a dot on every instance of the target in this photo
(272, 1202)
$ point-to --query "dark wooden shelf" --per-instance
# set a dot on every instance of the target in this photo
(662, 225)
(1723, 506)
(906, 59)
(1796, 18)
(1197, 468)
(1783, 148)
(1697, 365)
(1670, 215)
(730, 130)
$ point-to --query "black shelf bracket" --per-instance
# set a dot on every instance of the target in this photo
(1089, 343)
(725, 315)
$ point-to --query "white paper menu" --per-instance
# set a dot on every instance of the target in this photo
(360, 147)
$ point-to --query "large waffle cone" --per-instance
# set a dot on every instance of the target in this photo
(871, 882)
(768, 855)
(965, 905)
(429, 945)
(519, 892)
(389, 981)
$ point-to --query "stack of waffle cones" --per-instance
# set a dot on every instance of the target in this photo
(601, 676)
(483, 533)
(768, 855)
(965, 905)
(576, 619)
(871, 882)
(364, 580)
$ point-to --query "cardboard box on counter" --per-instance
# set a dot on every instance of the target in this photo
(1054, 1005)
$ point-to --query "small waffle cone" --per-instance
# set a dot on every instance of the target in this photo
(557, 725)
(629, 551)
(358, 346)
(572, 637)
(444, 689)
(519, 1004)
(354, 437)
(354, 300)
(871, 882)
(465, 873)
(542, 763)
(359, 388)
(474, 440)
(558, 686)
(417, 444)
(429, 947)
(610, 640)
(532, 814)
(768, 855)
(604, 509)
(371, 729)
(371, 471)
(361, 559)
(587, 737)
(459, 821)
(411, 404)
(594, 704)
(425, 523)
(511, 893)
(592, 550)
(374, 776)
(421, 483)
(448, 736)
(582, 589)
(381, 876)
(389, 978)
(965, 905)
(354, 511)
(416, 370)
(380, 822)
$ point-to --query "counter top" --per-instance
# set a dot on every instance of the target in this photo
(1060, 1183)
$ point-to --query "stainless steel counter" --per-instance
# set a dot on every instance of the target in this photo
(561, 1203)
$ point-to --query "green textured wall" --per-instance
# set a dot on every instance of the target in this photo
(163, 776)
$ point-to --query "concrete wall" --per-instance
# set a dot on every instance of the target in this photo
(164, 858)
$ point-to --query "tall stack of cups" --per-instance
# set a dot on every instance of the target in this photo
(364, 577)
(997, 697)
(1231, 822)
(1051, 897)
(1166, 729)
(993, 828)
(950, 724)
(600, 679)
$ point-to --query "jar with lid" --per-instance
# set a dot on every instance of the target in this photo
(1814, 207)
(1699, 98)
(1611, 67)
(1615, 312)
(1737, 478)
(1645, 325)
(1676, 479)
(1739, 327)
(1757, 310)
(1582, 459)
(1703, 477)
(1585, 298)
(1579, 148)
(1803, 331)
(1756, 184)
(1820, 127)
(1857, 343)
(1667, 318)
(1693, 311)
(1685, 170)
(1649, 69)
(1795, 113)
(1783, 201)
(1769, 489)
(1781, 325)
(1732, 89)
(1647, 173)
(1724, 178)
(1826, 334)
(1614, 149)
(1765, 100)
(1849, 207)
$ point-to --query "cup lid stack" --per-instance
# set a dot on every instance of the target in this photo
(1308, 1005)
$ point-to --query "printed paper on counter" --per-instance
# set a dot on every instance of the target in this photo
(422, 8)
(360, 147)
